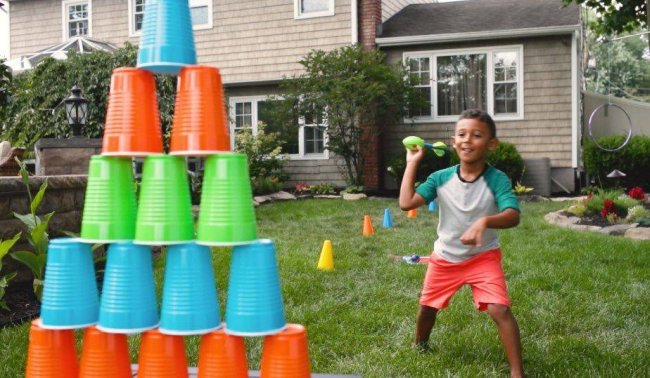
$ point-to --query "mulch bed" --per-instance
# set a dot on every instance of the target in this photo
(23, 304)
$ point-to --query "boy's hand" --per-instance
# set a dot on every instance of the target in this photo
(414, 156)
(474, 234)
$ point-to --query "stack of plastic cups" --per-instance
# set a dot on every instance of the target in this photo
(104, 355)
(51, 353)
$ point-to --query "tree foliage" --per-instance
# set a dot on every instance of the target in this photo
(616, 16)
(5, 84)
(351, 87)
(618, 67)
(35, 110)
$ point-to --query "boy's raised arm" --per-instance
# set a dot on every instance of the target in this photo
(408, 198)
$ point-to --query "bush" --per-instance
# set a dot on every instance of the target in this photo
(323, 188)
(265, 159)
(429, 164)
(34, 112)
(633, 160)
(505, 158)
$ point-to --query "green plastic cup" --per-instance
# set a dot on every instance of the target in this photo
(165, 209)
(226, 216)
(110, 206)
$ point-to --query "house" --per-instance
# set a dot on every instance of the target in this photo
(257, 43)
(518, 59)
(4, 29)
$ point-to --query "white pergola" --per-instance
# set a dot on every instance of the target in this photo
(80, 45)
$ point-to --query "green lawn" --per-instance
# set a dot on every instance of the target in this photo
(581, 298)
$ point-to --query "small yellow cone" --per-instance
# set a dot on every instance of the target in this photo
(326, 260)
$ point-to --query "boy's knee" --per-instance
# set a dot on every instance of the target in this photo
(428, 312)
(498, 312)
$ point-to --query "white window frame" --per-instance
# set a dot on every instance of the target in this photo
(298, 15)
(192, 4)
(64, 16)
(489, 52)
(301, 155)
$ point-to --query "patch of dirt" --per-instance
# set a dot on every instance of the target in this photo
(23, 305)
(594, 220)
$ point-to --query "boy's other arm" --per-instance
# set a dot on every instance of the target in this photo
(408, 198)
(506, 219)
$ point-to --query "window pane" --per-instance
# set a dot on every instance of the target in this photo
(461, 83)
(138, 14)
(243, 116)
(424, 109)
(288, 134)
(314, 140)
(199, 15)
(308, 6)
(505, 98)
(505, 66)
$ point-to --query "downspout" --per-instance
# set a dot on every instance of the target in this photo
(354, 16)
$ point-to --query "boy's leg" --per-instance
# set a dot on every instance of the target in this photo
(425, 321)
(509, 334)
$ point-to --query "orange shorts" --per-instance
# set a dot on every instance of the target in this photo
(482, 272)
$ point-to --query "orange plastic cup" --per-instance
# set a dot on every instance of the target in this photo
(199, 126)
(222, 355)
(51, 353)
(132, 125)
(285, 354)
(162, 356)
(104, 355)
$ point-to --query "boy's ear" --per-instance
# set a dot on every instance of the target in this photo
(493, 143)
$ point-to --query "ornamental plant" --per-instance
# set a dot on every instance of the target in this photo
(609, 210)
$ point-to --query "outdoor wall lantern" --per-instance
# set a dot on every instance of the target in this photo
(76, 110)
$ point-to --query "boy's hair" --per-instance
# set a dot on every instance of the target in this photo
(482, 116)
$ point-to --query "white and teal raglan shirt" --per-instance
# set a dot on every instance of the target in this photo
(461, 203)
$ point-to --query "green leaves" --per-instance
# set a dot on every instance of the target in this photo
(6, 245)
(38, 198)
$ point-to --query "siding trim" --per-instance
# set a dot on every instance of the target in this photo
(473, 36)
(574, 100)
(331, 11)
(9, 30)
(354, 20)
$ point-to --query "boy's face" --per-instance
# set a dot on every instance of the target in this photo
(472, 140)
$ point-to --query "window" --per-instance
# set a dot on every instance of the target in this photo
(313, 8)
(489, 79)
(305, 139)
(200, 12)
(76, 19)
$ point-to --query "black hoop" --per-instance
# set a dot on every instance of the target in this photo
(629, 131)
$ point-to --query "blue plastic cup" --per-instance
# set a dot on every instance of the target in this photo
(128, 302)
(254, 306)
(167, 42)
(388, 222)
(190, 305)
(433, 206)
(70, 298)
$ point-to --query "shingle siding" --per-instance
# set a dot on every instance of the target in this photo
(250, 40)
(545, 130)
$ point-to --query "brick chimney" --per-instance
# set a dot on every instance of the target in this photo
(369, 24)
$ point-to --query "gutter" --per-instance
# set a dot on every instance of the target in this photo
(354, 18)
(473, 36)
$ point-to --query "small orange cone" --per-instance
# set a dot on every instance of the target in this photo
(222, 355)
(162, 356)
(412, 213)
(51, 353)
(367, 226)
(104, 355)
(285, 354)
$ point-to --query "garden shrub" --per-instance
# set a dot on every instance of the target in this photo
(633, 160)
(505, 158)
(34, 111)
(265, 159)
(322, 188)
(429, 164)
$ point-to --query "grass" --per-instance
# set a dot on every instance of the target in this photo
(580, 298)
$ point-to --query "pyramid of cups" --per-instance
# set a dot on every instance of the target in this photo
(132, 218)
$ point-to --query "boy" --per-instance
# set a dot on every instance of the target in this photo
(474, 199)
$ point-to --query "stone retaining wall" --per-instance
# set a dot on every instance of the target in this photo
(64, 196)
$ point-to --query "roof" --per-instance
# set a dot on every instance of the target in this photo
(480, 16)
(81, 45)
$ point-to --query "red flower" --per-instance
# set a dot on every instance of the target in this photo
(608, 208)
(636, 193)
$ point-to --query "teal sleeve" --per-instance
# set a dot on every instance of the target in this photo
(428, 188)
(505, 196)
